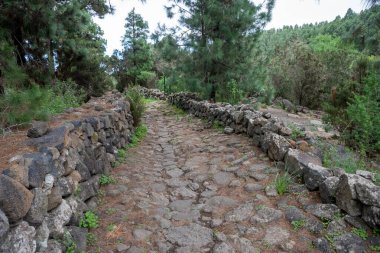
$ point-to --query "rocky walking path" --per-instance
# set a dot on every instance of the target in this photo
(186, 188)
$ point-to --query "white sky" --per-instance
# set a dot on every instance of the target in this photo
(286, 12)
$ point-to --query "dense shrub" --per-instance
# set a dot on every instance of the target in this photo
(136, 101)
(38, 103)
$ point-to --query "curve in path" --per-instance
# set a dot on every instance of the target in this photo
(190, 189)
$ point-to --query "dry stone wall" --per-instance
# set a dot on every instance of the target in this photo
(356, 194)
(44, 194)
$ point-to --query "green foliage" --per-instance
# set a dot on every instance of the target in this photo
(296, 132)
(217, 125)
(139, 134)
(70, 244)
(217, 39)
(362, 233)
(298, 224)
(134, 63)
(111, 227)
(136, 101)
(89, 220)
(105, 180)
(282, 183)
(233, 94)
(363, 114)
(121, 154)
(374, 248)
(37, 103)
(345, 159)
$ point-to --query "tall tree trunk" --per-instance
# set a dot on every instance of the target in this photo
(2, 89)
(17, 37)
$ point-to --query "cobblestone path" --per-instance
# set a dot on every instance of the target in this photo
(186, 188)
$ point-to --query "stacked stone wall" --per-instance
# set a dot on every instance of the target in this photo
(355, 194)
(44, 194)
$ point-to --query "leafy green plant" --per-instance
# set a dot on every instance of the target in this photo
(296, 132)
(139, 134)
(217, 125)
(89, 220)
(234, 94)
(282, 183)
(362, 233)
(376, 231)
(136, 101)
(298, 224)
(38, 103)
(105, 180)
(374, 248)
(69, 243)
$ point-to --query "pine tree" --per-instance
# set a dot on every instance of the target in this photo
(219, 36)
(136, 53)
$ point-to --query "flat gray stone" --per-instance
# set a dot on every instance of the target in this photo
(327, 211)
(181, 205)
(276, 235)
(240, 213)
(266, 214)
(252, 187)
(222, 178)
(190, 235)
(141, 234)
(174, 172)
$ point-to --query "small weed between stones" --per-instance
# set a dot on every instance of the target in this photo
(360, 232)
(110, 211)
(111, 227)
(282, 183)
(298, 224)
(105, 180)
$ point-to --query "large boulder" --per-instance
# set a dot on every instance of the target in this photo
(20, 239)
(15, 199)
(368, 193)
(371, 215)
(276, 145)
(314, 175)
(327, 189)
(346, 196)
(58, 218)
(296, 161)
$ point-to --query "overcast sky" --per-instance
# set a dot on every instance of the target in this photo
(286, 12)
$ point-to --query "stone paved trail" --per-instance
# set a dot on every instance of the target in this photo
(190, 189)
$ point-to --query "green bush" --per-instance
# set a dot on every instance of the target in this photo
(90, 220)
(282, 183)
(139, 134)
(363, 112)
(105, 180)
(38, 103)
(136, 101)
